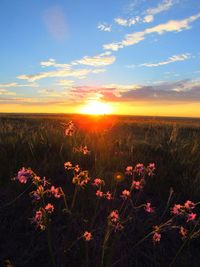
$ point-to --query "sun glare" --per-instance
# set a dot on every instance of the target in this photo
(96, 108)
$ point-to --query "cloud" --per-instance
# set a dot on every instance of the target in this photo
(96, 61)
(55, 22)
(78, 73)
(164, 6)
(6, 92)
(104, 27)
(180, 91)
(52, 63)
(148, 19)
(136, 37)
(127, 22)
(10, 85)
(65, 83)
(170, 60)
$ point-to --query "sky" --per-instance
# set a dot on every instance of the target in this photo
(137, 57)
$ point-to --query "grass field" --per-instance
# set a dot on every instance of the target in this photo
(39, 142)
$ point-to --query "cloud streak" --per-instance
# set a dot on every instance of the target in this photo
(170, 60)
(136, 37)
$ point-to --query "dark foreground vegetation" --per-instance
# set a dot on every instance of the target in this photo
(40, 142)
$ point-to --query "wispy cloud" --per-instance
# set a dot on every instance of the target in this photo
(6, 92)
(78, 73)
(14, 84)
(104, 27)
(164, 6)
(52, 63)
(96, 61)
(136, 37)
(172, 59)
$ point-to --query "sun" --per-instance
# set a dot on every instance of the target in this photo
(96, 108)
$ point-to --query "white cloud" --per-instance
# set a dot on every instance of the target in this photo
(171, 59)
(96, 61)
(136, 37)
(104, 27)
(65, 83)
(165, 5)
(10, 85)
(52, 63)
(148, 19)
(127, 22)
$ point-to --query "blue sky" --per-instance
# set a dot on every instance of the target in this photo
(139, 56)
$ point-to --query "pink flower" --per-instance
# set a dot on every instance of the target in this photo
(136, 185)
(56, 192)
(191, 217)
(156, 237)
(118, 226)
(150, 168)
(98, 182)
(84, 182)
(99, 193)
(177, 209)
(87, 236)
(129, 170)
(108, 195)
(24, 175)
(183, 231)
(38, 215)
(38, 193)
(139, 168)
(189, 205)
(148, 207)
(49, 208)
(85, 150)
(114, 216)
(126, 194)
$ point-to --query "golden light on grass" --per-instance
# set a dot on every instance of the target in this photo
(96, 108)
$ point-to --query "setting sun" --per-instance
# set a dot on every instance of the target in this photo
(96, 108)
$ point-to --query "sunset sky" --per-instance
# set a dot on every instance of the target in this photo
(137, 57)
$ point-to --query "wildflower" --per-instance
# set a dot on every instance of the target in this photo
(56, 192)
(118, 227)
(148, 207)
(70, 129)
(156, 237)
(98, 182)
(38, 215)
(136, 185)
(87, 236)
(49, 208)
(139, 168)
(150, 169)
(68, 165)
(39, 219)
(126, 194)
(38, 193)
(99, 193)
(24, 175)
(191, 217)
(108, 195)
(189, 205)
(183, 232)
(177, 209)
(129, 170)
(114, 216)
(36, 179)
(85, 150)
(84, 182)
(77, 168)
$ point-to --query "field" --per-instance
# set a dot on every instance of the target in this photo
(39, 142)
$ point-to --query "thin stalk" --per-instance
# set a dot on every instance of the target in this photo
(74, 197)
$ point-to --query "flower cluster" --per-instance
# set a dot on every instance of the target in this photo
(24, 175)
(82, 149)
(185, 210)
(70, 129)
(101, 194)
(114, 220)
